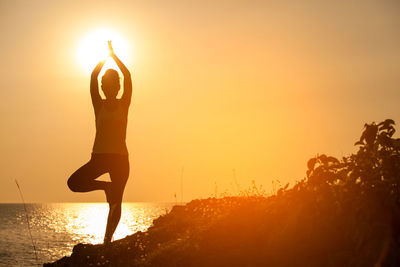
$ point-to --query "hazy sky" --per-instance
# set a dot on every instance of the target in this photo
(255, 86)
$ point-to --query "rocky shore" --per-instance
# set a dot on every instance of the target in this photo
(251, 231)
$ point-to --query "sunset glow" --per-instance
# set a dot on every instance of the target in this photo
(93, 48)
(200, 133)
(228, 91)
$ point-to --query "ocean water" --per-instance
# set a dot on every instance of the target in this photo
(57, 227)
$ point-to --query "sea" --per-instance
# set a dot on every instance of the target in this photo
(34, 234)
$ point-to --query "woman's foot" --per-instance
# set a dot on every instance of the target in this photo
(107, 240)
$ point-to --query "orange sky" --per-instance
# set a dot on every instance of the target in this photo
(256, 87)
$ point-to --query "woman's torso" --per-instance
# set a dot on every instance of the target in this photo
(111, 123)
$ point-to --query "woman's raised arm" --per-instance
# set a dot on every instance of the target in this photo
(94, 85)
(127, 95)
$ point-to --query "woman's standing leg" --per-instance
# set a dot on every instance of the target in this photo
(119, 173)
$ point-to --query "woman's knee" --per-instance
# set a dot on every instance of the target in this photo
(73, 183)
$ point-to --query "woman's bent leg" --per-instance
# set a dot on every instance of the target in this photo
(83, 180)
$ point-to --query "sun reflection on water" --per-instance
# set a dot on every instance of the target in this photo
(90, 221)
(57, 227)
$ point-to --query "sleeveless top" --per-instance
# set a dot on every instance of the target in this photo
(111, 130)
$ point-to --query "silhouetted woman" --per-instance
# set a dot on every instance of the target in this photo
(110, 154)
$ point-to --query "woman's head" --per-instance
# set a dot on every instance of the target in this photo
(110, 83)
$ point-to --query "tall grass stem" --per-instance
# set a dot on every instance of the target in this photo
(27, 220)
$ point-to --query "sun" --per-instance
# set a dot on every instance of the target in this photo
(93, 48)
